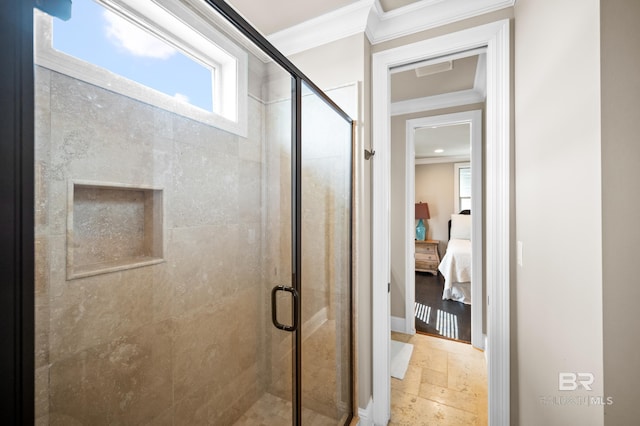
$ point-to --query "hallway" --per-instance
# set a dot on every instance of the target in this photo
(445, 384)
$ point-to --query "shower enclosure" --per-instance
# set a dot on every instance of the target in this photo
(192, 223)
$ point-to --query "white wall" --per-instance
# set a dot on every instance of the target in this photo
(558, 294)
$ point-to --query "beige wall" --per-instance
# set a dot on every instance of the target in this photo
(397, 227)
(558, 295)
(345, 57)
(620, 38)
(435, 185)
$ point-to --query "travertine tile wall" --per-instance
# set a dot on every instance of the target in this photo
(189, 340)
(183, 341)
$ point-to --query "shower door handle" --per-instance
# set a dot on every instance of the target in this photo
(294, 305)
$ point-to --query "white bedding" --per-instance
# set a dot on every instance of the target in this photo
(456, 270)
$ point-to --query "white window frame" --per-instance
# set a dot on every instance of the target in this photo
(456, 184)
(181, 27)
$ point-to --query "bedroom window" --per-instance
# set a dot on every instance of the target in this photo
(146, 51)
(462, 187)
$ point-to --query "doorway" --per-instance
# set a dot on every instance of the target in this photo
(495, 37)
(469, 125)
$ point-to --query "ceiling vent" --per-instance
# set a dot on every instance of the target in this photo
(434, 69)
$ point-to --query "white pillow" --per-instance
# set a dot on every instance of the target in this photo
(461, 226)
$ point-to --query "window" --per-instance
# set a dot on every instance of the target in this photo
(462, 183)
(160, 53)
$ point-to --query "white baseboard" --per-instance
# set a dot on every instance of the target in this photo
(399, 325)
(366, 414)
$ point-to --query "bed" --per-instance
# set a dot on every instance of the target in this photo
(455, 266)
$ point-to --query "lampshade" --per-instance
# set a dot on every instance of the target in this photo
(422, 211)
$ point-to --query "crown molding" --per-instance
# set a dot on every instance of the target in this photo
(332, 26)
(440, 160)
(367, 16)
(446, 100)
(430, 14)
(480, 82)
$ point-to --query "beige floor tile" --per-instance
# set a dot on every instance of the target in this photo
(463, 400)
(411, 410)
(452, 387)
(429, 357)
(411, 382)
(466, 374)
(434, 377)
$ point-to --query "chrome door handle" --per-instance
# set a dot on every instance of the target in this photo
(274, 308)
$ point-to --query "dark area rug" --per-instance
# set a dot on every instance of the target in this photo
(442, 318)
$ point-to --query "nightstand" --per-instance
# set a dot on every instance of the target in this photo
(427, 259)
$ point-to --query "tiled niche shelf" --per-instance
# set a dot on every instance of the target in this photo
(112, 227)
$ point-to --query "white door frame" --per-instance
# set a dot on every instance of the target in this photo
(496, 37)
(474, 119)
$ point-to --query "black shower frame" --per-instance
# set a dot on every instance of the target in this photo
(17, 183)
(298, 78)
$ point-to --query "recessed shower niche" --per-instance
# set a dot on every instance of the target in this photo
(111, 227)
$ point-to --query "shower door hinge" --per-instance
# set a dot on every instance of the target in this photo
(388, 287)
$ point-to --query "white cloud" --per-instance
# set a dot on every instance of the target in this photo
(181, 97)
(135, 40)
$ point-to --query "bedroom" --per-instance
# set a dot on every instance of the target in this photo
(443, 298)
(430, 113)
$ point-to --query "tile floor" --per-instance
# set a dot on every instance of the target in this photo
(445, 384)
(323, 405)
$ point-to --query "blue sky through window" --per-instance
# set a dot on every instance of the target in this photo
(96, 35)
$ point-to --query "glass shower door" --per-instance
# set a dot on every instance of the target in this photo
(326, 262)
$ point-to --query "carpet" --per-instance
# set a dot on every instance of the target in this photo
(400, 356)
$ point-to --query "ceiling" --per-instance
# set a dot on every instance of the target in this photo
(293, 12)
(407, 85)
(454, 140)
(270, 16)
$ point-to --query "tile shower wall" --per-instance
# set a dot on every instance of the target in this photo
(186, 341)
